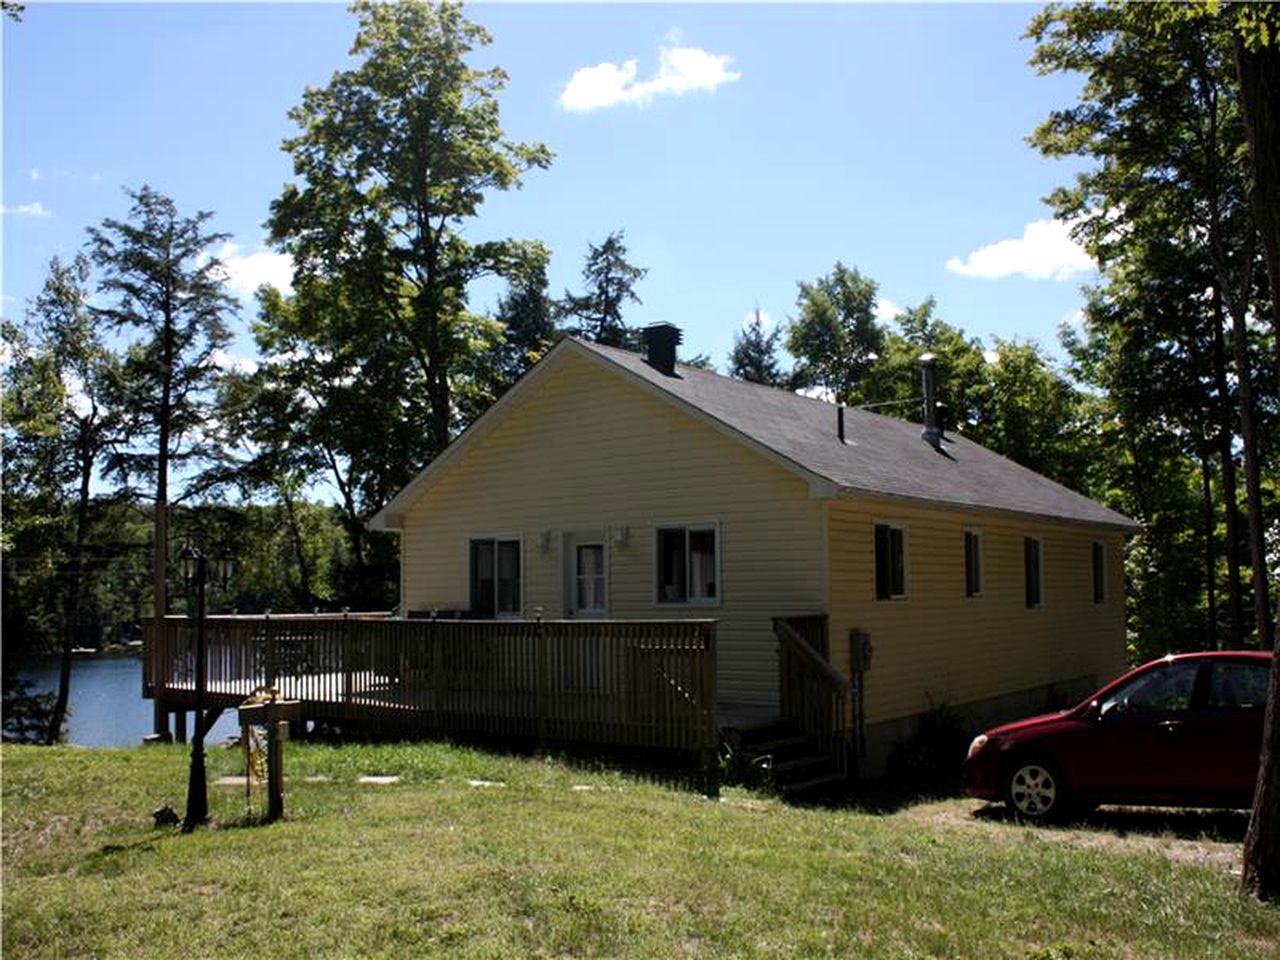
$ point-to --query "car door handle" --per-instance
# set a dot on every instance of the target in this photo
(1170, 726)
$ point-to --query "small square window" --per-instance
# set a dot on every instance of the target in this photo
(891, 562)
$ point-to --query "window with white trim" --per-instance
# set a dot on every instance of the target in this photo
(891, 561)
(495, 577)
(972, 563)
(688, 566)
(589, 578)
(1033, 571)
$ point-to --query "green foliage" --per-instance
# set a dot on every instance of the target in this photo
(527, 315)
(834, 336)
(1165, 209)
(609, 281)
(931, 758)
(394, 156)
(27, 714)
(755, 354)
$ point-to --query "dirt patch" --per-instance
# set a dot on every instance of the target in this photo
(1206, 838)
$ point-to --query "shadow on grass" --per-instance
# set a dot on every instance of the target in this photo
(1225, 826)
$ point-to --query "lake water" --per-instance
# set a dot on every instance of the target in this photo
(107, 709)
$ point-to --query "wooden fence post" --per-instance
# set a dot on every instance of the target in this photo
(269, 667)
(543, 681)
(346, 655)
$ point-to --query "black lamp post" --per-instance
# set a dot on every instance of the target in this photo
(195, 571)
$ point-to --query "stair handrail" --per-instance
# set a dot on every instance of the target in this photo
(827, 724)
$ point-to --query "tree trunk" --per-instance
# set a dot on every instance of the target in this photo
(1230, 485)
(75, 595)
(1259, 75)
(299, 551)
(1213, 638)
(59, 712)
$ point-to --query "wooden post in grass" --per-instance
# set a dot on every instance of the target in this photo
(541, 670)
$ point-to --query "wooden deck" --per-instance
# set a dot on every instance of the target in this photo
(627, 683)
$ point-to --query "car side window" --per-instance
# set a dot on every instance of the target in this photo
(1159, 690)
(1238, 685)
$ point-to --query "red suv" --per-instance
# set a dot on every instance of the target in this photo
(1182, 731)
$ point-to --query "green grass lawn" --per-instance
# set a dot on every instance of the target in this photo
(561, 861)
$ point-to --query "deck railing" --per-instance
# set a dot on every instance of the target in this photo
(812, 693)
(633, 683)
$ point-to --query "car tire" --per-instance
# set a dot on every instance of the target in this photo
(1035, 790)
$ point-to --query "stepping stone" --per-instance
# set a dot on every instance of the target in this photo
(486, 783)
(581, 787)
(230, 782)
(379, 780)
(318, 778)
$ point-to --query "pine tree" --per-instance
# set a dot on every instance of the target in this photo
(755, 354)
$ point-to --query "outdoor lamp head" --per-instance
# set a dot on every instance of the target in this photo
(223, 568)
(190, 557)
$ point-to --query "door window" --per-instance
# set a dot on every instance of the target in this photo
(589, 578)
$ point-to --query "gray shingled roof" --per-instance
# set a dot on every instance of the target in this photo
(882, 455)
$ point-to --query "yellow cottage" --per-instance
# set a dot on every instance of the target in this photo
(607, 484)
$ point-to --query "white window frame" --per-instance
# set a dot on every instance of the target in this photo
(982, 562)
(687, 526)
(1040, 579)
(1098, 564)
(496, 538)
(576, 576)
(906, 562)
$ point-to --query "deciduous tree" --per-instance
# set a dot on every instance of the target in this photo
(394, 156)
(834, 336)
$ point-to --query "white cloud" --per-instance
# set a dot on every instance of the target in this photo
(36, 209)
(818, 393)
(886, 309)
(246, 272)
(680, 70)
(1045, 251)
(232, 364)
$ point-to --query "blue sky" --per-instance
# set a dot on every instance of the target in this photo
(741, 147)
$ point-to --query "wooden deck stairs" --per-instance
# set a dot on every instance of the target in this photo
(797, 766)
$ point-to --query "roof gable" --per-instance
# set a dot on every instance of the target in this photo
(881, 457)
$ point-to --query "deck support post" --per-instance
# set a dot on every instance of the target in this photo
(710, 734)
(159, 718)
(179, 726)
(346, 656)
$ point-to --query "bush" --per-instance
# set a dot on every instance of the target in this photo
(931, 759)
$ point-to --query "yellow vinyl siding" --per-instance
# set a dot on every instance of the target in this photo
(939, 643)
(588, 452)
